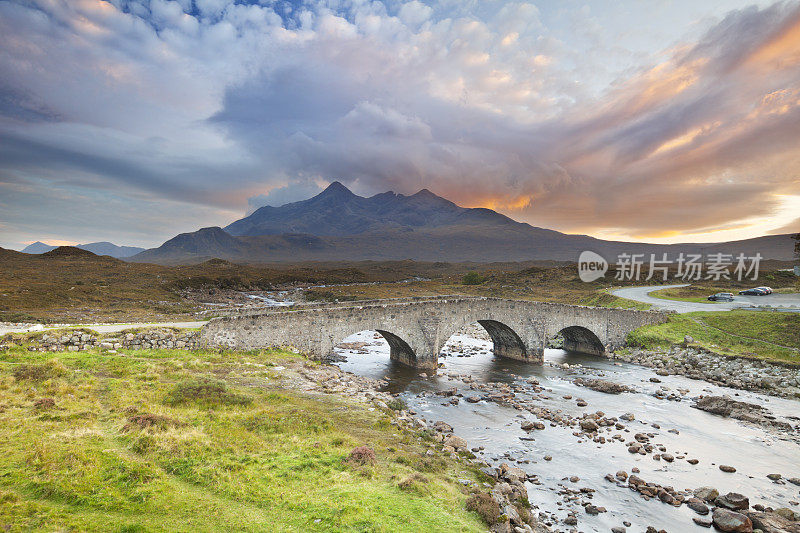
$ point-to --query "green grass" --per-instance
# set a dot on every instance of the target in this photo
(687, 294)
(205, 441)
(765, 335)
(606, 299)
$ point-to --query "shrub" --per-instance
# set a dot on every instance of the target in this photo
(361, 455)
(413, 483)
(205, 391)
(397, 404)
(44, 404)
(472, 278)
(429, 464)
(148, 420)
(50, 370)
(483, 504)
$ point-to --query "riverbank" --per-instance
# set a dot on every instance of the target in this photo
(761, 335)
(766, 377)
(206, 440)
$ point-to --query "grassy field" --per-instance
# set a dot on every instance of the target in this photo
(71, 286)
(77, 286)
(207, 441)
(765, 335)
(543, 283)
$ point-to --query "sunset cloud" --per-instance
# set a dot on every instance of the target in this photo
(556, 116)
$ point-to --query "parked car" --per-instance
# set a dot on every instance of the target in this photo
(768, 289)
(721, 297)
(758, 291)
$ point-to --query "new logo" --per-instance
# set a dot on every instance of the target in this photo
(591, 266)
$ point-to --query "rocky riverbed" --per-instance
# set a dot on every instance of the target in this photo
(607, 445)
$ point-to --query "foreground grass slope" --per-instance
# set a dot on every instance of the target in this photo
(205, 441)
(765, 335)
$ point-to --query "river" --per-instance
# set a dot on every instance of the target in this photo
(662, 409)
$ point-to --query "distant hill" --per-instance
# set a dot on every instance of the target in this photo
(337, 225)
(97, 248)
(69, 251)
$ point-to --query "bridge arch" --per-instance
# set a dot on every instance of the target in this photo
(399, 350)
(506, 341)
(582, 339)
(505, 336)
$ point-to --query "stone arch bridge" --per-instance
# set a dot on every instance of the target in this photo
(417, 328)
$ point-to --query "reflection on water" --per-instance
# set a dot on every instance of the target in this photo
(711, 439)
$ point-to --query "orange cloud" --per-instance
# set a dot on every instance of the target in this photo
(781, 50)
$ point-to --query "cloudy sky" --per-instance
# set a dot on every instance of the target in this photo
(657, 120)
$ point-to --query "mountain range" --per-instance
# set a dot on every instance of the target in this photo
(97, 248)
(338, 225)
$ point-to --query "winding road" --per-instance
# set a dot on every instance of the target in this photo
(102, 328)
(781, 302)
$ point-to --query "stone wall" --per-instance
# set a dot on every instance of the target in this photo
(72, 341)
(163, 339)
(417, 329)
(81, 340)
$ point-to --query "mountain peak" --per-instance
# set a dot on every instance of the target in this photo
(424, 193)
(336, 188)
(337, 211)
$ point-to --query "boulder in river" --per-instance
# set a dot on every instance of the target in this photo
(708, 494)
(603, 385)
(697, 505)
(442, 427)
(731, 521)
(773, 522)
(733, 501)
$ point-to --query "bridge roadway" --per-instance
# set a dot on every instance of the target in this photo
(417, 328)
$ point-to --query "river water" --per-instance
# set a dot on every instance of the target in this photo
(687, 433)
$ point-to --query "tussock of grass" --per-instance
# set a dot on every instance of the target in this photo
(50, 370)
(206, 392)
(151, 421)
(416, 483)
